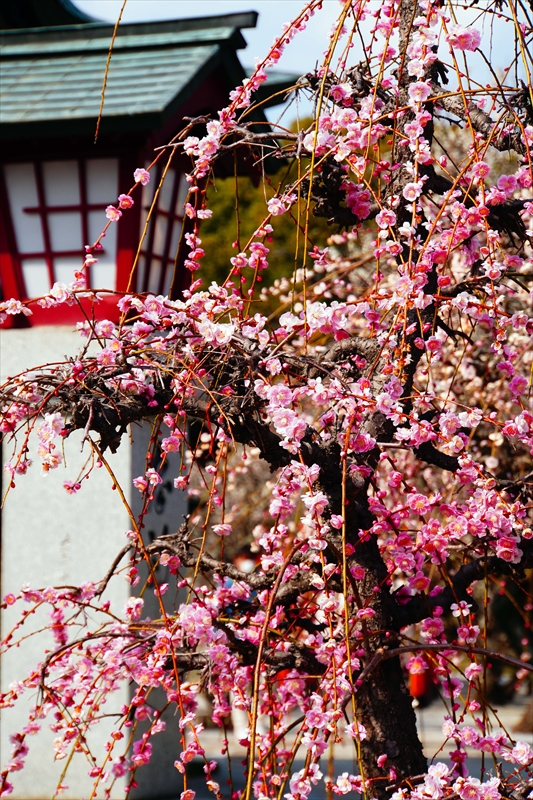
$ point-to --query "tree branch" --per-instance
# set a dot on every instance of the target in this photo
(420, 606)
(482, 123)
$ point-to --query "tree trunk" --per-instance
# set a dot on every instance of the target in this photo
(384, 705)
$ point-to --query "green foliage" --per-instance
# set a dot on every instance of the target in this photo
(237, 206)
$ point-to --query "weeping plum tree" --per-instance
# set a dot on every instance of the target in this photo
(387, 400)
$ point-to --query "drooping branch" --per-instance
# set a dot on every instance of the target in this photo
(501, 139)
(178, 544)
(428, 452)
(385, 653)
(421, 606)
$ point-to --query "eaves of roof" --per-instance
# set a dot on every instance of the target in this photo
(96, 38)
(273, 92)
(34, 40)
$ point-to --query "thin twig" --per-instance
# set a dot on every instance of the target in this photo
(111, 570)
(107, 63)
(384, 653)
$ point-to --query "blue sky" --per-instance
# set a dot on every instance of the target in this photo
(302, 55)
(300, 58)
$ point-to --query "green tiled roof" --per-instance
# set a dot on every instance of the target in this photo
(53, 76)
(69, 87)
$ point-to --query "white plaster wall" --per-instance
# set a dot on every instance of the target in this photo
(52, 538)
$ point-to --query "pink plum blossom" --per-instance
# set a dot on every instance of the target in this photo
(113, 213)
(463, 38)
(141, 176)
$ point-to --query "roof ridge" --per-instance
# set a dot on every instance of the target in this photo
(238, 20)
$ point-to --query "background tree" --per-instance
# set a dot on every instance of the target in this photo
(389, 402)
